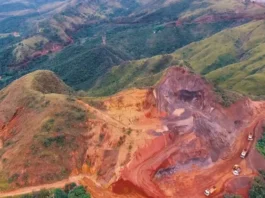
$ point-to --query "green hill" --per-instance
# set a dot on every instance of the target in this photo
(209, 35)
(81, 70)
(78, 66)
(41, 126)
(233, 59)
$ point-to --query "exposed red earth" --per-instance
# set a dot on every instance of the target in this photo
(200, 145)
(172, 140)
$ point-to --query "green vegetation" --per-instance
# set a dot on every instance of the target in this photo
(59, 140)
(59, 193)
(232, 196)
(258, 188)
(82, 64)
(232, 59)
(127, 131)
(222, 60)
(234, 62)
(140, 73)
(78, 192)
(48, 125)
(4, 184)
(225, 97)
(260, 146)
(72, 192)
(69, 187)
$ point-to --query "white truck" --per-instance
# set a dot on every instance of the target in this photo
(243, 153)
(210, 191)
(250, 137)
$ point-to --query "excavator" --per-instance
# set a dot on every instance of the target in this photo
(210, 191)
(236, 169)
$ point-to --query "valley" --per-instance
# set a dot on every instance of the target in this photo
(132, 99)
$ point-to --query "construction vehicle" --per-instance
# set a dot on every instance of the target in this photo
(243, 153)
(236, 169)
(250, 137)
(210, 191)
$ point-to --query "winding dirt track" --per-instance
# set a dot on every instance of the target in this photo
(102, 115)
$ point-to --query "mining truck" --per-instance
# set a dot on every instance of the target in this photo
(250, 137)
(210, 191)
(243, 153)
(236, 169)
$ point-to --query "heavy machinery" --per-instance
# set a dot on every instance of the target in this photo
(250, 137)
(243, 153)
(236, 169)
(210, 191)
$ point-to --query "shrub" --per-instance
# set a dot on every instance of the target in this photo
(258, 188)
(48, 125)
(69, 187)
(261, 145)
(78, 192)
(59, 193)
(27, 196)
(13, 178)
(59, 140)
(43, 193)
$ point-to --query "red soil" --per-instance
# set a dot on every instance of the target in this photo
(186, 160)
(190, 151)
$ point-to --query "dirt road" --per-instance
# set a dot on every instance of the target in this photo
(102, 115)
(31, 189)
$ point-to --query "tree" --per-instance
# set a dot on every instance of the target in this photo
(78, 192)
(43, 193)
(258, 188)
(59, 193)
(69, 187)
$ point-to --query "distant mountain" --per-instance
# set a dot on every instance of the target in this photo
(232, 59)
(33, 33)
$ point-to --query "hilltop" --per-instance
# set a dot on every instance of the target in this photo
(48, 134)
(37, 121)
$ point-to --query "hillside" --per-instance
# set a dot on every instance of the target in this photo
(136, 143)
(231, 59)
(48, 135)
(37, 120)
(133, 98)
(32, 34)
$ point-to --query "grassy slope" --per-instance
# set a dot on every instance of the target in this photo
(43, 127)
(80, 67)
(79, 64)
(141, 73)
(233, 58)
